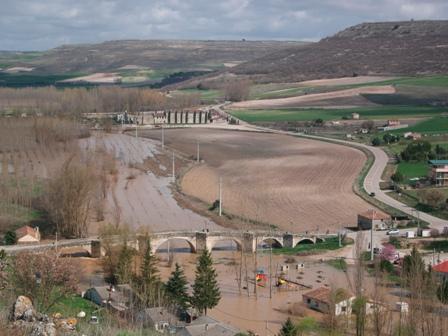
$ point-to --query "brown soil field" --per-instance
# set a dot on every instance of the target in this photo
(317, 97)
(293, 183)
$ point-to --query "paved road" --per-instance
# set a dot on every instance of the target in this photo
(373, 177)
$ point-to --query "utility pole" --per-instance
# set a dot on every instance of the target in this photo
(220, 196)
(255, 268)
(270, 271)
(174, 173)
(197, 152)
(371, 235)
(163, 137)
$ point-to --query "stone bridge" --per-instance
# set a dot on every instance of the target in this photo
(197, 240)
(247, 241)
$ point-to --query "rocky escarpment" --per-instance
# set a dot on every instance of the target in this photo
(384, 48)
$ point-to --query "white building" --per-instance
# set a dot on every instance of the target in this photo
(27, 234)
(324, 300)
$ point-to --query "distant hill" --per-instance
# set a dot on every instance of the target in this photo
(158, 54)
(385, 48)
(130, 61)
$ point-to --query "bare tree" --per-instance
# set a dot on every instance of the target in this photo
(45, 277)
(70, 196)
(237, 90)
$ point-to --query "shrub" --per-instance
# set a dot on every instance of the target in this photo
(10, 238)
(376, 142)
(386, 266)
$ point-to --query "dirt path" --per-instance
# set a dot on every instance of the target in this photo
(291, 101)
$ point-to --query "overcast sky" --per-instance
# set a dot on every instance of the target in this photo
(43, 24)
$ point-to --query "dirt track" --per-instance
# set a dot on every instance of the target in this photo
(296, 101)
(296, 184)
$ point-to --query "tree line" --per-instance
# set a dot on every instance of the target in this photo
(76, 101)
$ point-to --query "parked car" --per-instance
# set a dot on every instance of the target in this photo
(372, 194)
(393, 232)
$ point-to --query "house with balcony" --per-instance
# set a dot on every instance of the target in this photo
(439, 172)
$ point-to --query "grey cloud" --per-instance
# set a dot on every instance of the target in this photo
(39, 24)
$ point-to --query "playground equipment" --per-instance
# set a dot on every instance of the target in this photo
(283, 282)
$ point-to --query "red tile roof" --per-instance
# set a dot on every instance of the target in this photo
(442, 267)
(26, 230)
(323, 294)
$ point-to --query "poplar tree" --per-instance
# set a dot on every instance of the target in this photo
(124, 269)
(149, 280)
(176, 288)
(206, 293)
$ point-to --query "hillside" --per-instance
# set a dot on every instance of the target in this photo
(385, 48)
(135, 60)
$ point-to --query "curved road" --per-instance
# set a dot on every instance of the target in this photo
(373, 177)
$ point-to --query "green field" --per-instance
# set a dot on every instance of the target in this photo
(25, 79)
(434, 125)
(308, 114)
(413, 169)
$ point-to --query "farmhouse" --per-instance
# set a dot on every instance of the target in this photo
(27, 234)
(439, 172)
(322, 299)
(355, 116)
(375, 218)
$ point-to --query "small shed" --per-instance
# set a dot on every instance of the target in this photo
(324, 300)
(355, 116)
(118, 298)
(27, 234)
(379, 220)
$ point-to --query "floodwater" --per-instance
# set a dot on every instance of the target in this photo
(259, 312)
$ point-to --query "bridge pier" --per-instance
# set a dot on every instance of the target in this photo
(288, 240)
(201, 242)
(249, 242)
(95, 249)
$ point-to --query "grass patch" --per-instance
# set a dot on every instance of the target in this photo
(72, 305)
(309, 114)
(413, 169)
(331, 243)
(434, 125)
(339, 264)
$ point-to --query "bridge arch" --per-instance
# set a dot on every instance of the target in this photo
(212, 241)
(157, 243)
(320, 239)
(304, 241)
(272, 241)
